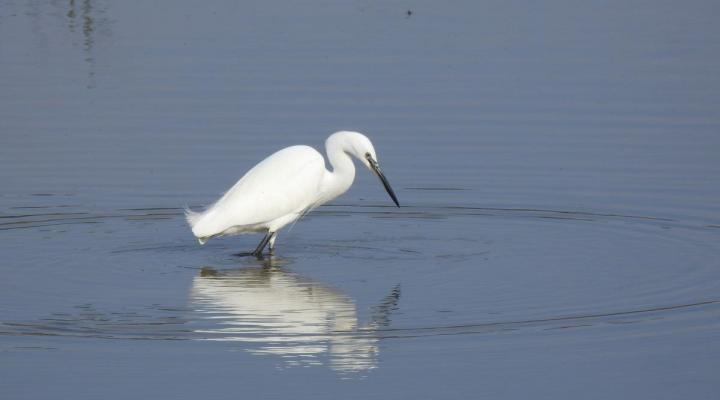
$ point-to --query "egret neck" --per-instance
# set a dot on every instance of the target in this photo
(339, 180)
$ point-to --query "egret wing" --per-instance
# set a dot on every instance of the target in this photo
(286, 182)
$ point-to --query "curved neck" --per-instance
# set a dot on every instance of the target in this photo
(339, 180)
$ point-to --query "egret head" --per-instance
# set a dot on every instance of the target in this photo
(358, 145)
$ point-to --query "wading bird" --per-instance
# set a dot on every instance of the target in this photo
(285, 186)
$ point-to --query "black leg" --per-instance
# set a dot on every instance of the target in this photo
(259, 249)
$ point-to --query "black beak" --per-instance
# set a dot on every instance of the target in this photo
(383, 179)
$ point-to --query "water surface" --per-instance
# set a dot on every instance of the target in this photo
(557, 166)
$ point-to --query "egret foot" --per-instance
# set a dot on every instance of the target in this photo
(269, 238)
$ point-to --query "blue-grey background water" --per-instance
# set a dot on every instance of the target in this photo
(558, 164)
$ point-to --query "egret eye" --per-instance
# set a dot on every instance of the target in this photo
(368, 156)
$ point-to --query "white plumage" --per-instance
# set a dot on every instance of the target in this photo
(284, 186)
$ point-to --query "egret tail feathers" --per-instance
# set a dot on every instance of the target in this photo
(192, 218)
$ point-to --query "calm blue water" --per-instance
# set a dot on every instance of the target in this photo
(557, 164)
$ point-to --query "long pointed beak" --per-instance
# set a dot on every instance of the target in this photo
(383, 179)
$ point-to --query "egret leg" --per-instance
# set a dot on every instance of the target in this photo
(272, 241)
(259, 249)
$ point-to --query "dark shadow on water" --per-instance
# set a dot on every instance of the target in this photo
(86, 21)
(87, 15)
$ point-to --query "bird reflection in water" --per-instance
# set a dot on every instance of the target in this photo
(280, 313)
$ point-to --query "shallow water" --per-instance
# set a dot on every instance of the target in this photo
(557, 166)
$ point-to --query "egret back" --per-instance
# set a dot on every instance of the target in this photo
(287, 182)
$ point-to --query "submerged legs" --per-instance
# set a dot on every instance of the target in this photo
(269, 238)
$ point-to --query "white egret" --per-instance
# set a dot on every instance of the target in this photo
(285, 186)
